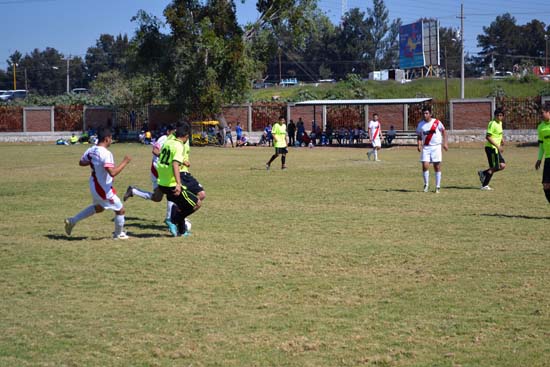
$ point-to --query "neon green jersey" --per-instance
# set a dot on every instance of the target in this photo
(494, 130)
(543, 131)
(186, 151)
(172, 150)
(279, 135)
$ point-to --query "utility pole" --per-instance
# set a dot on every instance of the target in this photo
(461, 51)
(546, 38)
(26, 84)
(280, 74)
(14, 80)
(68, 80)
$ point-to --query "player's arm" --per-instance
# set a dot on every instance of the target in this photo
(490, 140)
(445, 139)
(156, 150)
(419, 140)
(176, 170)
(114, 171)
(541, 154)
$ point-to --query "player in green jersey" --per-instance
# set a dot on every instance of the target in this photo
(493, 150)
(170, 161)
(280, 143)
(544, 149)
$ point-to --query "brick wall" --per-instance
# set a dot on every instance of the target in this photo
(38, 120)
(97, 117)
(471, 115)
(389, 115)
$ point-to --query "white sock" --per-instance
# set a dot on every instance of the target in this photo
(375, 154)
(119, 224)
(142, 194)
(87, 212)
(426, 175)
(169, 206)
(438, 179)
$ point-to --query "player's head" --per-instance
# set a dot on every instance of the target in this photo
(170, 128)
(104, 135)
(282, 120)
(499, 114)
(427, 112)
(375, 116)
(182, 132)
(546, 111)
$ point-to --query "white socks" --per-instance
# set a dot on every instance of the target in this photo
(87, 212)
(426, 175)
(119, 224)
(438, 179)
(169, 206)
(142, 194)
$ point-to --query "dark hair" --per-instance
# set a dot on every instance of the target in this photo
(498, 111)
(182, 130)
(546, 107)
(170, 127)
(104, 133)
(374, 114)
(427, 108)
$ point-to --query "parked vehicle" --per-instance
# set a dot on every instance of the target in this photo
(80, 91)
(11, 95)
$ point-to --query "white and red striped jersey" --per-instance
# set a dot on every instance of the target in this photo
(158, 144)
(430, 132)
(374, 130)
(101, 181)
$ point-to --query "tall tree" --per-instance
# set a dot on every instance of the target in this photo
(209, 66)
(108, 53)
(450, 45)
(500, 42)
(354, 42)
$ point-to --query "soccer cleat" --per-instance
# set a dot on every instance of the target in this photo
(267, 166)
(283, 168)
(437, 190)
(68, 226)
(171, 227)
(120, 236)
(186, 234)
(426, 188)
(486, 188)
(378, 160)
(481, 176)
(128, 193)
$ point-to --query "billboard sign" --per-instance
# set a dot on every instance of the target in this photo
(411, 53)
(419, 44)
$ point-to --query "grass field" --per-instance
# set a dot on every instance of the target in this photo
(337, 261)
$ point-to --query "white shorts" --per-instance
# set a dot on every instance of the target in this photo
(113, 204)
(431, 153)
(376, 143)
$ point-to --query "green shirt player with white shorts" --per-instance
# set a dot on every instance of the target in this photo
(279, 142)
(543, 131)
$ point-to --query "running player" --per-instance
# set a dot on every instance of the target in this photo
(431, 135)
(544, 149)
(375, 136)
(169, 181)
(101, 161)
(279, 142)
(156, 195)
(493, 150)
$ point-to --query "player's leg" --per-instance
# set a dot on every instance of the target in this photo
(119, 224)
(135, 191)
(83, 214)
(273, 157)
(546, 179)
(494, 165)
(425, 160)
(436, 158)
(283, 161)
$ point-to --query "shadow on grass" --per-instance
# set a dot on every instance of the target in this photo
(64, 237)
(461, 187)
(394, 190)
(512, 216)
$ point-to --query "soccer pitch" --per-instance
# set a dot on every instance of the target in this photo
(337, 261)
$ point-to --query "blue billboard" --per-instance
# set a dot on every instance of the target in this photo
(411, 52)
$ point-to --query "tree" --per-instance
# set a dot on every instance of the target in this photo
(450, 45)
(354, 42)
(208, 67)
(383, 35)
(109, 53)
(500, 42)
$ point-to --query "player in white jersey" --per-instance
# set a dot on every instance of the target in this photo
(375, 136)
(101, 161)
(156, 195)
(431, 136)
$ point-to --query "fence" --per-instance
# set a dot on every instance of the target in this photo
(470, 114)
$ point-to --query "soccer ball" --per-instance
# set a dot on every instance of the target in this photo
(187, 225)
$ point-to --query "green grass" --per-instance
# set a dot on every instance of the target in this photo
(431, 87)
(337, 261)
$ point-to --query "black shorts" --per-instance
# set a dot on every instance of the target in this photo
(190, 183)
(546, 171)
(494, 158)
(281, 151)
(186, 200)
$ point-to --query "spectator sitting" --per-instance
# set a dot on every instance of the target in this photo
(305, 139)
(73, 139)
(243, 141)
(390, 135)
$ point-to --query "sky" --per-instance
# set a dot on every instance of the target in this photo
(71, 26)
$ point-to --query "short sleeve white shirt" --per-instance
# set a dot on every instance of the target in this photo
(374, 129)
(424, 130)
(101, 181)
